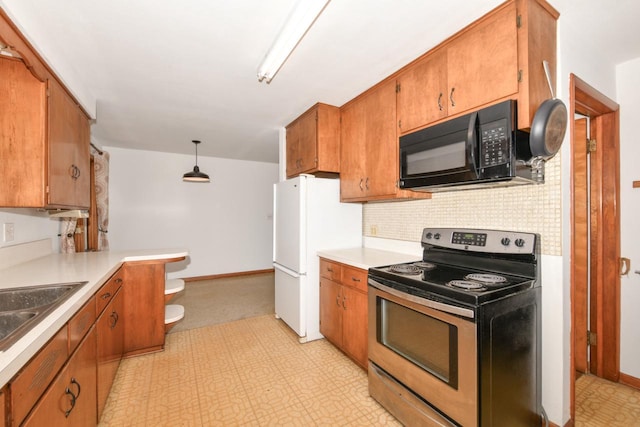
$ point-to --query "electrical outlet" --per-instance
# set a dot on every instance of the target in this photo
(373, 230)
(8, 231)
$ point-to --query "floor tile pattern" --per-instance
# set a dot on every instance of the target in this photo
(251, 372)
(603, 403)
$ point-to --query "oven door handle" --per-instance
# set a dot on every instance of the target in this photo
(465, 312)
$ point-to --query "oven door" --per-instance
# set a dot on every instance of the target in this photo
(431, 351)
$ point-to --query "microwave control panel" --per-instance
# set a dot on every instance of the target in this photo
(494, 144)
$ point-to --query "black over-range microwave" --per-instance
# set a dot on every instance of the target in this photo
(480, 149)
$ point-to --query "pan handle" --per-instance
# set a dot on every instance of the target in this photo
(547, 73)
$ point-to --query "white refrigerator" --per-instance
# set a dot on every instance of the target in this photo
(308, 217)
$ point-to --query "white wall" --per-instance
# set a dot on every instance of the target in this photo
(226, 224)
(30, 225)
(628, 92)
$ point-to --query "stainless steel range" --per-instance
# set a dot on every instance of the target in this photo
(454, 338)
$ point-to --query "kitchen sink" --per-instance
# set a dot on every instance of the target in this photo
(23, 308)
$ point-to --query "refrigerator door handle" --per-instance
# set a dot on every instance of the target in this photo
(286, 270)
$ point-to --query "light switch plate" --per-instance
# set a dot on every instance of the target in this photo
(8, 231)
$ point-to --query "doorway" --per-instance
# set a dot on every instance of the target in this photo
(595, 222)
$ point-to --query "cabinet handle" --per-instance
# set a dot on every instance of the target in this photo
(73, 402)
(330, 270)
(338, 300)
(74, 172)
(361, 187)
(453, 103)
(106, 296)
(114, 316)
(367, 183)
(440, 101)
(344, 302)
(74, 381)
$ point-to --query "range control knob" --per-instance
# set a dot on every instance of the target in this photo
(429, 235)
(505, 241)
(436, 236)
(519, 242)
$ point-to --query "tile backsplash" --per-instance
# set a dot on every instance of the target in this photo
(528, 208)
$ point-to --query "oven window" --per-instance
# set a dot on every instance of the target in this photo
(425, 341)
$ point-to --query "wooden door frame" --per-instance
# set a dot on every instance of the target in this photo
(605, 169)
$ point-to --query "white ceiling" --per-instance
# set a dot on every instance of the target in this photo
(160, 73)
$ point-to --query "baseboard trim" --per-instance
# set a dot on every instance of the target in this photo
(629, 380)
(226, 275)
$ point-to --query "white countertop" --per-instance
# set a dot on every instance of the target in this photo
(365, 258)
(93, 267)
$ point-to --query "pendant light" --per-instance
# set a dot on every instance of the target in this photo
(195, 175)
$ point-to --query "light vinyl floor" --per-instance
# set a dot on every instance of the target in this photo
(251, 372)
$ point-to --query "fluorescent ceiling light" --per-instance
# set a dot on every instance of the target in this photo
(303, 15)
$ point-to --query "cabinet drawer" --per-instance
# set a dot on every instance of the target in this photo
(108, 291)
(354, 277)
(28, 385)
(71, 399)
(80, 323)
(330, 270)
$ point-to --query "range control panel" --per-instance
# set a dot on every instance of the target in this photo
(487, 241)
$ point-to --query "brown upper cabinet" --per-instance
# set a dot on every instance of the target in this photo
(313, 141)
(369, 148)
(44, 134)
(497, 57)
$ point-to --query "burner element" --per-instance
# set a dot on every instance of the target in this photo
(466, 284)
(485, 278)
(424, 265)
(405, 269)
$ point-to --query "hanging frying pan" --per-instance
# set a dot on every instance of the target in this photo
(549, 124)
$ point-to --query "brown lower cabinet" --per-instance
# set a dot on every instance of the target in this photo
(68, 381)
(71, 398)
(343, 308)
(110, 346)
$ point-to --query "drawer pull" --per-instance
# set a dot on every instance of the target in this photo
(330, 270)
(114, 316)
(355, 279)
(118, 280)
(106, 296)
(74, 381)
(73, 402)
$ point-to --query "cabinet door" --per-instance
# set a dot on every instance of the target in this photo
(355, 325)
(68, 138)
(110, 331)
(22, 137)
(381, 139)
(353, 150)
(293, 149)
(422, 95)
(331, 311)
(482, 63)
(308, 142)
(71, 398)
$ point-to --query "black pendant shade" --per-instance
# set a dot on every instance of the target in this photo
(195, 175)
